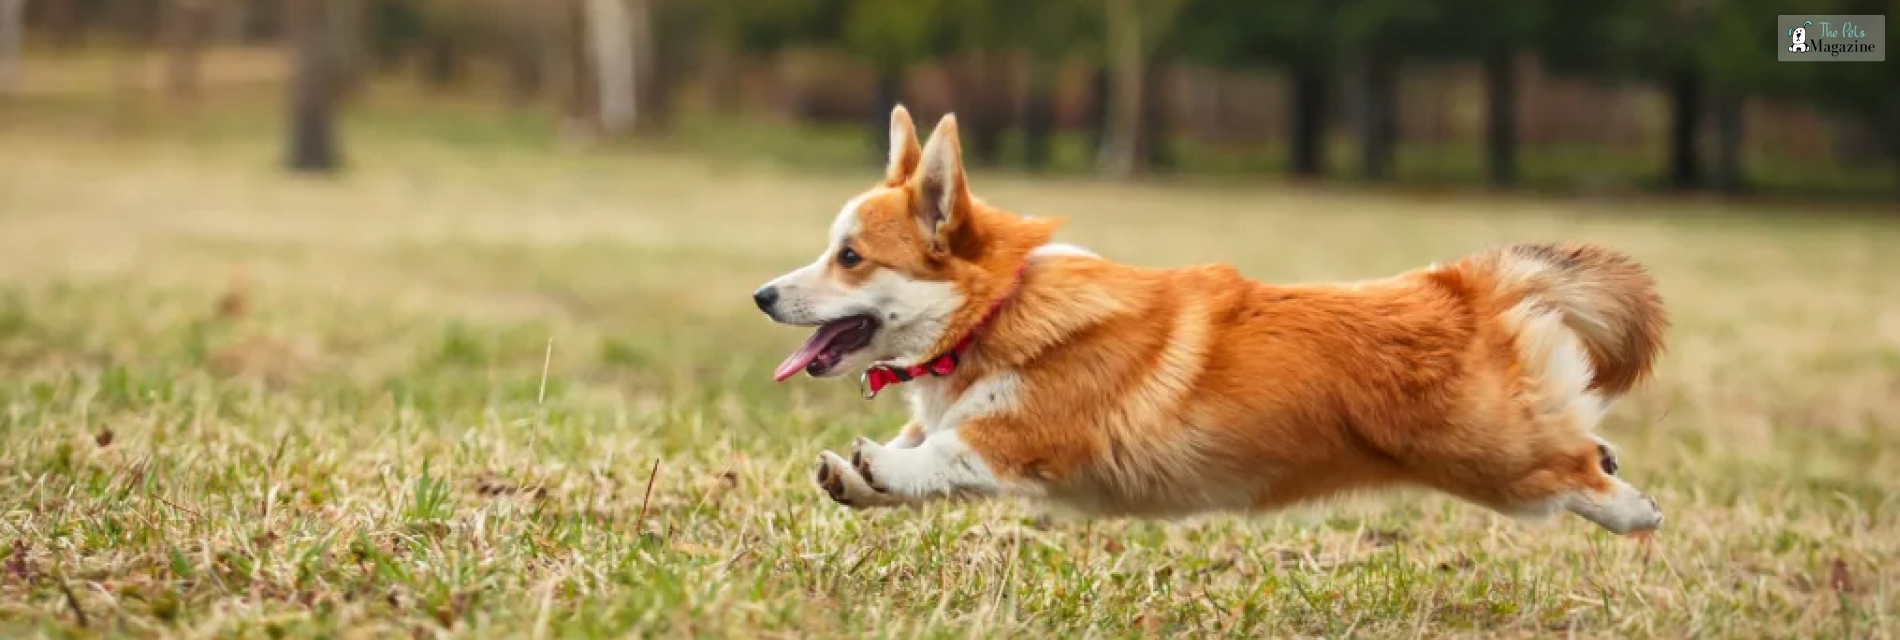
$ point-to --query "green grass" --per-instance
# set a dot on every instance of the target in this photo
(428, 398)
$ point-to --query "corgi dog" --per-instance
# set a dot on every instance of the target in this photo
(1040, 370)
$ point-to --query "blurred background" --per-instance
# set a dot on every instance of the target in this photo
(1568, 95)
(365, 318)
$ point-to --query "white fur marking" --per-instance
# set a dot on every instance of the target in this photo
(1062, 249)
(1554, 357)
(846, 224)
(994, 395)
(1625, 510)
(942, 466)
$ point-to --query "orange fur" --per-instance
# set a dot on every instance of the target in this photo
(1140, 391)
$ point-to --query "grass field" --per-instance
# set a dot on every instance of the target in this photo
(492, 388)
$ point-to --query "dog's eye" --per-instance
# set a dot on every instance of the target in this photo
(848, 258)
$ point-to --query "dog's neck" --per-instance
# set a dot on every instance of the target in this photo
(944, 363)
(1055, 301)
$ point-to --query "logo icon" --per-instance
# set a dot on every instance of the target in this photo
(1817, 37)
(1799, 36)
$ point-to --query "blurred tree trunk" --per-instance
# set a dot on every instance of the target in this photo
(580, 99)
(257, 18)
(1891, 126)
(525, 74)
(347, 23)
(889, 91)
(441, 58)
(1120, 156)
(312, 145)
(128, 70)
(1039, 114)
(610, 39)
(1308, 134)
(12, 32)
(66, 21)
(724, 70)
(1152, 142)
(1685, 101)
(1378, 129)
(985, 91)
(233, 16)
(1099, 96)
(650, 79)
(1730, 176)
(139, 20)
(1500, 131)
(185, 24)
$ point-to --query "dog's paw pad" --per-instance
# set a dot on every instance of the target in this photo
(831, 479)
(862, 464)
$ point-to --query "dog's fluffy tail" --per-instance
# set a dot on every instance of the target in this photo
(1605, 300)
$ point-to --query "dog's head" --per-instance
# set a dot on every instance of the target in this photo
(907, 266)
(1798, 35)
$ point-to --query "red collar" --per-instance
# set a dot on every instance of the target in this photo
(879, 376)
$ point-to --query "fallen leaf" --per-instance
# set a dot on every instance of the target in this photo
(235, 301)
(1461, 562)
(1839, 578)
(17, 564)
(1383, 537)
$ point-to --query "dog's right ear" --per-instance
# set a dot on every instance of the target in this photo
(905, 153)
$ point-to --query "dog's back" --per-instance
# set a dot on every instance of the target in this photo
(1205, 390)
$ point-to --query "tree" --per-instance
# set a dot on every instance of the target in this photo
(185, 24)
(1726, 50)
(1378, 32)
(1644, 38)
(1511, 27)
(610, 38)
(526, 37)
(1248, 33)
(12, 31)
(891, 36)
(313, 96)
(1049, 32)
(1135, 32)
(446, 28)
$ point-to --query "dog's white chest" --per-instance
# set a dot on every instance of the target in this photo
(936, 409)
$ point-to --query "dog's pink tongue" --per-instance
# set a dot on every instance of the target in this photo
(808, 351)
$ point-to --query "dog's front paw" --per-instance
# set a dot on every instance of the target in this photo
(831, 479)
(843, 484)
(861, 453)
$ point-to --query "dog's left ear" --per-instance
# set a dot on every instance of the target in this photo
(904, 149)
(943, 196)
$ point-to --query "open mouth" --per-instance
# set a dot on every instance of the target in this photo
(828, 346)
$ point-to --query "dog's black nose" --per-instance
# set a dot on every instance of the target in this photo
(765, 296)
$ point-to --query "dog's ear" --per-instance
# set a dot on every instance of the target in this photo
(904, 149)
(943, 197)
